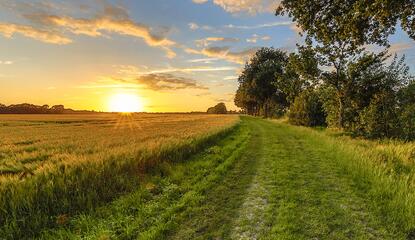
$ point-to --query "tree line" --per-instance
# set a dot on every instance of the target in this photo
(26, 108)
(332, 79)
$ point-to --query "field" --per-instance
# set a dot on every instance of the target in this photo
(32, 144)
(57, 164)
(200, 177)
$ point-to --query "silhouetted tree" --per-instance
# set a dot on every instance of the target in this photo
(257, 93)
(220, 108)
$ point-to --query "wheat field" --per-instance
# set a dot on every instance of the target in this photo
(55, 164)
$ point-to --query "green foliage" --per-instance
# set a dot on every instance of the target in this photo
(219, 108)
(407, 122)
(379, 119)
(256, 93)
(307, 110)
(300, 73)
(358, 22)
(406, 101)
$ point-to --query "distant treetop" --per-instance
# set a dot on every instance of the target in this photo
(220, 108)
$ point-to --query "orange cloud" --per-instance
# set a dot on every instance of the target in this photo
(110, 19)
(224, 53)
(95, 27)
(48, 36)
(207, 41)
(250, 6)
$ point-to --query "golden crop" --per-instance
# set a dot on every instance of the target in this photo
(30, 144)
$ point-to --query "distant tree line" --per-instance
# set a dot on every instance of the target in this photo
(333, 80)
(26, 108)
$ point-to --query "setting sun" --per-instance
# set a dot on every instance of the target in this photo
(125, 103)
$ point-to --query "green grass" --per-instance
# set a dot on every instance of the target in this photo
(262, 180)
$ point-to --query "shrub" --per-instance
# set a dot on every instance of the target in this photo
(307, 110)
(379, 119)
(407, 122)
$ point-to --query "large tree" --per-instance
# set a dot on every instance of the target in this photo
(358, 21)
(339, 30)
(257, 92)
(300, 72)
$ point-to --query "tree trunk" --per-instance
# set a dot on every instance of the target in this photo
(341, 111)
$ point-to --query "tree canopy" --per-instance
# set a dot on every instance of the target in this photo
(219, 108)
(354, 22)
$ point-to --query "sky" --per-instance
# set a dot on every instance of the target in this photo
(174, 55)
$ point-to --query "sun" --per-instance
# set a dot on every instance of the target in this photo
(125, 103)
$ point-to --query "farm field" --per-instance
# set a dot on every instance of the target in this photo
(53, 165)
(244, 178)
(30, 144)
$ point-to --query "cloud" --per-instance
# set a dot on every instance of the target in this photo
(258, 26)
(6, 62)
(47, 36)
(199, 1)
(162, 81)
(193, 26)
(128, 70)
(227, 98)
(230, 78)
(256, 37)
(220, 29)
(400, 47)
(394, 48)
(96, 27)
(203, 60)
(207, 41)
(110, 19)
(224, 53)
(250, 6)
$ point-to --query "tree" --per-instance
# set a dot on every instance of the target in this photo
(379, 119)
(220, 108)
(256, 92)
(339, 29)
(307, 109)
(406, 103)
(300, 73)
(358, 21)
(57, 109)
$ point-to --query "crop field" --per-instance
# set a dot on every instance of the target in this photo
(33, 144)
(54, 164)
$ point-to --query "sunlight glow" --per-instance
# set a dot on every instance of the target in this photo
(125, 103)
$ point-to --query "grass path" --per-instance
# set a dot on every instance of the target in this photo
(296, 191)
(266, 180)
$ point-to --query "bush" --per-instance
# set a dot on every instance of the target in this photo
(379, 119)
(307, 110)
(407, 122)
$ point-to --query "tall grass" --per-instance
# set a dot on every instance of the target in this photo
(82, 182)
(384, 169)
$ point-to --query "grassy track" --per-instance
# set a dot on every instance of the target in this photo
(288, 185)
(266, 180)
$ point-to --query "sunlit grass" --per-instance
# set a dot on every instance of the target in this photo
(52, 165)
